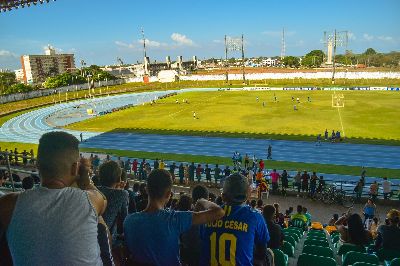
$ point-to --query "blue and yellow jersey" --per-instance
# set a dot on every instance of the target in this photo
(229, 241)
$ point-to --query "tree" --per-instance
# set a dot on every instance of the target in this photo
(370, 51)
(7, 79)
(291, 61)
(313, 59)
(18, 88)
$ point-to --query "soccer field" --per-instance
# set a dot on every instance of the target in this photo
(366, 114)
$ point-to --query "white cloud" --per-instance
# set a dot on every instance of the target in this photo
(125, 45)
(7, 53)
(150, 43)
(385, 38)
(368, 37)
(181, 39)
(218, 41)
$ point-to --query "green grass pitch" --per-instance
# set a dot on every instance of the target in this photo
(366, 114)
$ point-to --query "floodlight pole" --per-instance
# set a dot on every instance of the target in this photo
(226, 61)
(334, 55)
(243, 69)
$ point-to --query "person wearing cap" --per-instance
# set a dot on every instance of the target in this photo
(241, 236)
(389, 235)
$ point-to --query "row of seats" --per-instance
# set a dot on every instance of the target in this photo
(317, 250)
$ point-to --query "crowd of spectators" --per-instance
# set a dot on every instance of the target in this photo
(85, 212)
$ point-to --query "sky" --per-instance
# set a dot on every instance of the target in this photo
(99, 31)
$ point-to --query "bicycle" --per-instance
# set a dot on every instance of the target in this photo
(331, 194)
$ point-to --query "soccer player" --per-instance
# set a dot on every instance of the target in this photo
(326, 134)
(217, 172)
(152, 236)
(194, 115)
(241, 236)
(208, 174)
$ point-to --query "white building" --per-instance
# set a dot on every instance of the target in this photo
(19, 75)
(167, 76)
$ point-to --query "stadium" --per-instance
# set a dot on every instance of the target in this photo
(242, 160)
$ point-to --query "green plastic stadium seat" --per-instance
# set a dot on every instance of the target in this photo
(297, 223)
(318, 251)
(335, 238)
(343, 249)
(290, 240)
(298, 231)
(312, 260)
(317, 237)
(363, 264)
(387, 254)
(280, 258)
(352, 257)
(288, 249)
(395, 262)
(312, 242)
(292, 234)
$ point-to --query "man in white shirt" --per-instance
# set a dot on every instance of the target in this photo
(387, 188)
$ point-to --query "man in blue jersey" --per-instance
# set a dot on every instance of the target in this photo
(241, 236)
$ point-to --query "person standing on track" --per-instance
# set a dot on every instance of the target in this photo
(269, 152)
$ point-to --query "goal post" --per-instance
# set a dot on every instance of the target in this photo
(337, 100)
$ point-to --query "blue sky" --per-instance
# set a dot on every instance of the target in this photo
(99, 32)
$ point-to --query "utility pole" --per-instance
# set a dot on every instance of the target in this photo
(226, 62)
(283, 47)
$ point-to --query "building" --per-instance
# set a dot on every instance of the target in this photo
(19, 75)
(167, 76)
(36, 68)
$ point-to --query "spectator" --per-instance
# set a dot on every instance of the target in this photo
(387, 188)
(358, 190)
(217, 173)
(156, 164)
(275, 231)
(199, 171)
(192, 169)
(172, 168)
(354, 233)
(261, 164)
(120, 162)
(333, 220)
(2, 180)
(274, 179)
(389, 235)
(243, 228)
(313, 184)
(299, 219)
(260, 205)
(152, 236)
(141, 199)
(135, 167)
(285, 182)
(162, 164)
(369, 210)
(207, 170)
(117, 199)
(184, 203)
(279, 217)
(55, 215)
(373, 190)
(305, 177)
(374, 227)
(307, 215)
(27, 183)
(132, 195)
(190, 240)
(297, 182)
(95, 163)
(181, 173)
(321, 184)
(253, 205)
(127, 166)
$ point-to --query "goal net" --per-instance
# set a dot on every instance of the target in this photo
(337, 100)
